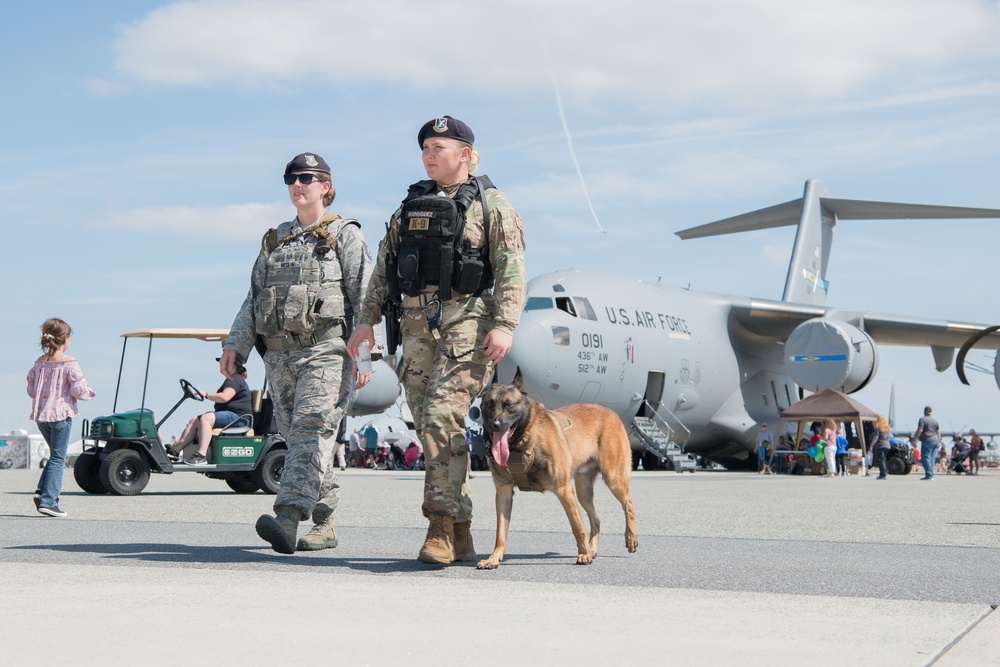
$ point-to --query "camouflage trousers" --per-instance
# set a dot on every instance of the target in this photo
(310, 389)
(439, 392)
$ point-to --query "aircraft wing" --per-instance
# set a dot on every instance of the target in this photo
(778, 318)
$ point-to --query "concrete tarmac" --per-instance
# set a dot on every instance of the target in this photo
(732, 568)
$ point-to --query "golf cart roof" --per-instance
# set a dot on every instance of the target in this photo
(211, 335)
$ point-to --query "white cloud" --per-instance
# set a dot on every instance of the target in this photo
(700, 52)
(238, 222)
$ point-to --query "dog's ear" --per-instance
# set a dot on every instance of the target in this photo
(518, 380)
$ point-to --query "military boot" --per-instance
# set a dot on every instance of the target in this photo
(323, 534)
(464, 550)
(439, 547)
(280, 530)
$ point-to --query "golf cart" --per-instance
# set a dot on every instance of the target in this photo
(122, 449)
(899, 460)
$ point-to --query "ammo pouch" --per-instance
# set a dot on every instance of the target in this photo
(469, 273)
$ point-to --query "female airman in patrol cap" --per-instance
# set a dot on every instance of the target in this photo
(454, 328)
(306, 285)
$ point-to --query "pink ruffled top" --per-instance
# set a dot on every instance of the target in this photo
(54, 387)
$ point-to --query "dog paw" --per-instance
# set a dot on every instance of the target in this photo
(631, 542)
(487, 564)
(584, 559)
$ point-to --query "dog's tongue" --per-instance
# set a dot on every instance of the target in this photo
(501, 446)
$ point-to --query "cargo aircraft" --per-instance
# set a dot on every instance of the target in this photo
(694, 372)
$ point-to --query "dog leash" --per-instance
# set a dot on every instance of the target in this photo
(434, 327)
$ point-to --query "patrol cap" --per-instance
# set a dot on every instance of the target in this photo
(927, 410)
(446, 126)
(307, 162)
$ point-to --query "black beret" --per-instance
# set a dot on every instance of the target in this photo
(307, 162)
(446, 126)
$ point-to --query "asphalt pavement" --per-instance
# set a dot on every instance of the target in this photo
(732, 568)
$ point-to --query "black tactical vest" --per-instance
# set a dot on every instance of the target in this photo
(431, 248)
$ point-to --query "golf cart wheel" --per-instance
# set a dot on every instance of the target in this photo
(242, 484)
(895, 465)
(268, 473)
(125, 472)
(87, 473)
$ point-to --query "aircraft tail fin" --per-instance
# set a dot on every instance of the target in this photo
(816, 214)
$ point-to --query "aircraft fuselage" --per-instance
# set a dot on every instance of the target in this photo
(587, 337)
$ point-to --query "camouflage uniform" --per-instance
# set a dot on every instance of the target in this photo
(440, 390)
(311, 385)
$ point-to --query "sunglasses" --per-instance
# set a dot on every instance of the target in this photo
(304, 179)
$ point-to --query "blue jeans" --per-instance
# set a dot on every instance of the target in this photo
(56, 435)
(226, 418)
(928, 456)
(880, 453)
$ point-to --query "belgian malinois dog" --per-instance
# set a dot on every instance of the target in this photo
(548, 450)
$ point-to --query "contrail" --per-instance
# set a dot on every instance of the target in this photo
(565, 125)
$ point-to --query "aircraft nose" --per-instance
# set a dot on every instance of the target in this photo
(529, 352)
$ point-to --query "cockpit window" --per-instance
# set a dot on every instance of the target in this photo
(538, 303)
(583, 307)
(560, 335)
(558, 288)
(563, 303)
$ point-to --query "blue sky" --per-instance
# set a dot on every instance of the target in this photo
(143, 144)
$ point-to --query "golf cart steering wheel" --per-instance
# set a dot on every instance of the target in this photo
(190, 391)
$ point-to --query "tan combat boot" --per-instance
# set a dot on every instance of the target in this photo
(280, 530)
(323, 534)
(464, 549)
(439, 547)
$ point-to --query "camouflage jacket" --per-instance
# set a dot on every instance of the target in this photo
(355, 269)
(506, 250)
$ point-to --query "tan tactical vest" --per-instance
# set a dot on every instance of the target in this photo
(303, 298)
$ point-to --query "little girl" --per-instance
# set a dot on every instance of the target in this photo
(55, 383)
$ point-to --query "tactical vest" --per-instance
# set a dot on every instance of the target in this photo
(432, 250)
(303, 299)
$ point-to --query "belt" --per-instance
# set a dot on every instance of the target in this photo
(293, 342)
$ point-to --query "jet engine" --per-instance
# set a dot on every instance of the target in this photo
(825, 353)
(379, 394)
